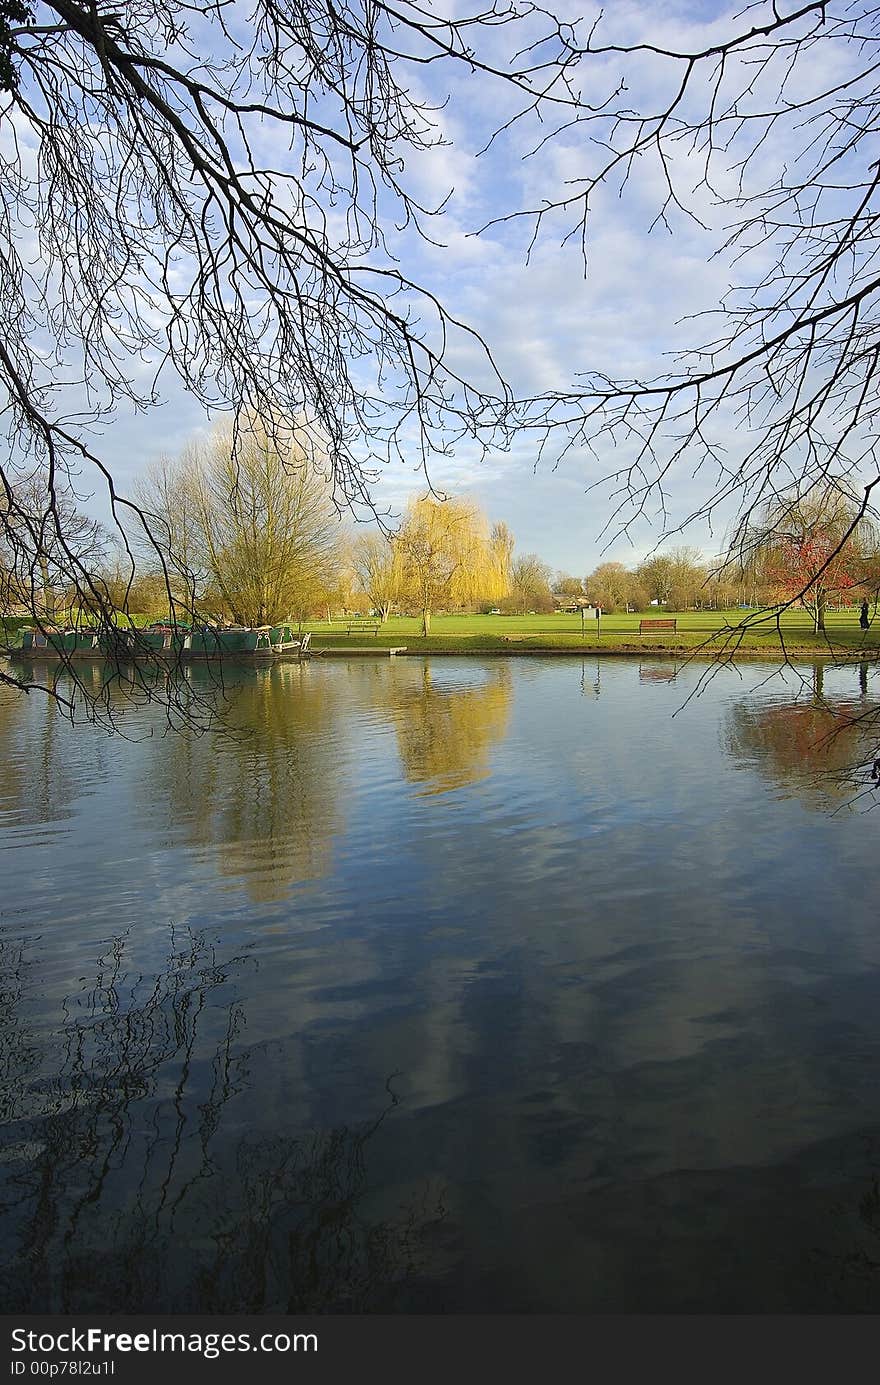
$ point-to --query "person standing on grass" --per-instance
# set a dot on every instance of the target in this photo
(863, 615)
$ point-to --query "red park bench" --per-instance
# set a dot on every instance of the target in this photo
(656, 625)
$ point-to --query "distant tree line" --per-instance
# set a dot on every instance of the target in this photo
(248, 532)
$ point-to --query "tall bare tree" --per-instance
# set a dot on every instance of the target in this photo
(529, 586)
(146, 232)
(755, 129)
(51, 552)
(377, 565)
(260, 524)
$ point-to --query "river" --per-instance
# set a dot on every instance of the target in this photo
(473, 985)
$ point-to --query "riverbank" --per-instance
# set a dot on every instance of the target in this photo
(733, 634)
(699, 634)
(719, 648)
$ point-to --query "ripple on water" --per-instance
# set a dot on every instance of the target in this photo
(502, 939)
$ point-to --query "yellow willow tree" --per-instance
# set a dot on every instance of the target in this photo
(447, 556)
(501, 545)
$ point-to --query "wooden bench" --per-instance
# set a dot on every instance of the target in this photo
(363, 626)
(656, 625)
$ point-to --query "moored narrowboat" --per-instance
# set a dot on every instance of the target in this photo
(165, 640)
(51, 641)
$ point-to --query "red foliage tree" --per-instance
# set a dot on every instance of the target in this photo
(808, 546)
(810, 566)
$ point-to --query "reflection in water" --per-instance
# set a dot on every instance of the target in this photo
(38, 768)
(591, 679)
(262, 795)
(446, 732)
(628, 998)
(122, 1190)
(814, 746)
(44, 768)
(14, 775)
(657, 673)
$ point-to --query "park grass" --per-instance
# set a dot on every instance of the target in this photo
(709, 632)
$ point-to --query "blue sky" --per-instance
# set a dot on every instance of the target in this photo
(544, 320)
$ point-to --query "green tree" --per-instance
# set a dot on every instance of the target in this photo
(687, 578)
(675, 578)
(567, 586)
(655, 575)
(615, 587)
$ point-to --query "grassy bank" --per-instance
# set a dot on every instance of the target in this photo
(711, 631)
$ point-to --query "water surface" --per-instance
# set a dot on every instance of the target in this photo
(465, 985)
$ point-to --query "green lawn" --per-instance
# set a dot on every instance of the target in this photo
(715, 629)
(622, 631)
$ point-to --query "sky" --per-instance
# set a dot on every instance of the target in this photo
(545, 315)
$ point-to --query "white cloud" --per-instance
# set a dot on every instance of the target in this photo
(545, 321)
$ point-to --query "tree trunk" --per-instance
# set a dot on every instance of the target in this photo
(426, 622)
(820, 609)
(48, 591)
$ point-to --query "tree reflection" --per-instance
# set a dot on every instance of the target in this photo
(262, 792)
(121, 1191)
(815, 747)
(39, 766)
(445, 733)
(13, 771)
(657, 673)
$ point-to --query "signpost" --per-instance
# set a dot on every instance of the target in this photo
(584, 610)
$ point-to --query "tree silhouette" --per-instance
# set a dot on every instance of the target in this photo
(756, 131)
(145, 229)
(122, 1191)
